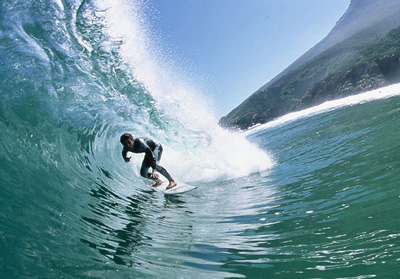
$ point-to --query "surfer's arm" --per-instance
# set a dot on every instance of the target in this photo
(124, 153)
(154, 174)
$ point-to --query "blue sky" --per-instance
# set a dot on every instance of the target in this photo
(234, 47)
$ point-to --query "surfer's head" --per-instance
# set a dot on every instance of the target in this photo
(126, 139)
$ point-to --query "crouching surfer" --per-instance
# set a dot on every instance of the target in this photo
(153, 151)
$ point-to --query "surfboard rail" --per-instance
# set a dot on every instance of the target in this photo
(178, 189)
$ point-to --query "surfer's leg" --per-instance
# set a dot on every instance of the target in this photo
(157, 153)
(164, 172)
(144, 171)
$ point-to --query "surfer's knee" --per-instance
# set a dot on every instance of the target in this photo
(147, 176)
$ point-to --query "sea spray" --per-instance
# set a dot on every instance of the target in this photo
(196, 148)
(71, 208)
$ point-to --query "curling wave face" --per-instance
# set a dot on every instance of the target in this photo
(89, 71)
(70, 86)
(75, 76)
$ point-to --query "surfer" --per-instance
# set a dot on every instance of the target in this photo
(153, 150)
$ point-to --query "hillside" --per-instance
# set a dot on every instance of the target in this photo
(361, 52)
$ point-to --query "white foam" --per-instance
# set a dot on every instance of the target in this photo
(204, 151)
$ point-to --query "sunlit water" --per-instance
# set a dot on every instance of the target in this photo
(311, 195)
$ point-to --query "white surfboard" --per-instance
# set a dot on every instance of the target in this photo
(178, 189)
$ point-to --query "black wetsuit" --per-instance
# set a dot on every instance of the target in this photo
(153, 150)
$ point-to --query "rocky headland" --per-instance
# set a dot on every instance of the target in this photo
(362, 52)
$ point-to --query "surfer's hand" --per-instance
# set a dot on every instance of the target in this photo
(154, 174)
(127, 159)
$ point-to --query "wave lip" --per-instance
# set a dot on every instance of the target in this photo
(196, 148)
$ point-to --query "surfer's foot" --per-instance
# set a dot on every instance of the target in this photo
(157, 183)
(172, 183)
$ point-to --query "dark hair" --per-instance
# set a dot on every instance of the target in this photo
(125, 136)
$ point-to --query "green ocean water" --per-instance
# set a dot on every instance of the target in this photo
(313, 197)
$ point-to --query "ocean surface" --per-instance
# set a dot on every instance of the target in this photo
(314, 194)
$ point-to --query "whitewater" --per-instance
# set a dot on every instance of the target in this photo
(381, 93)
(312, 194)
